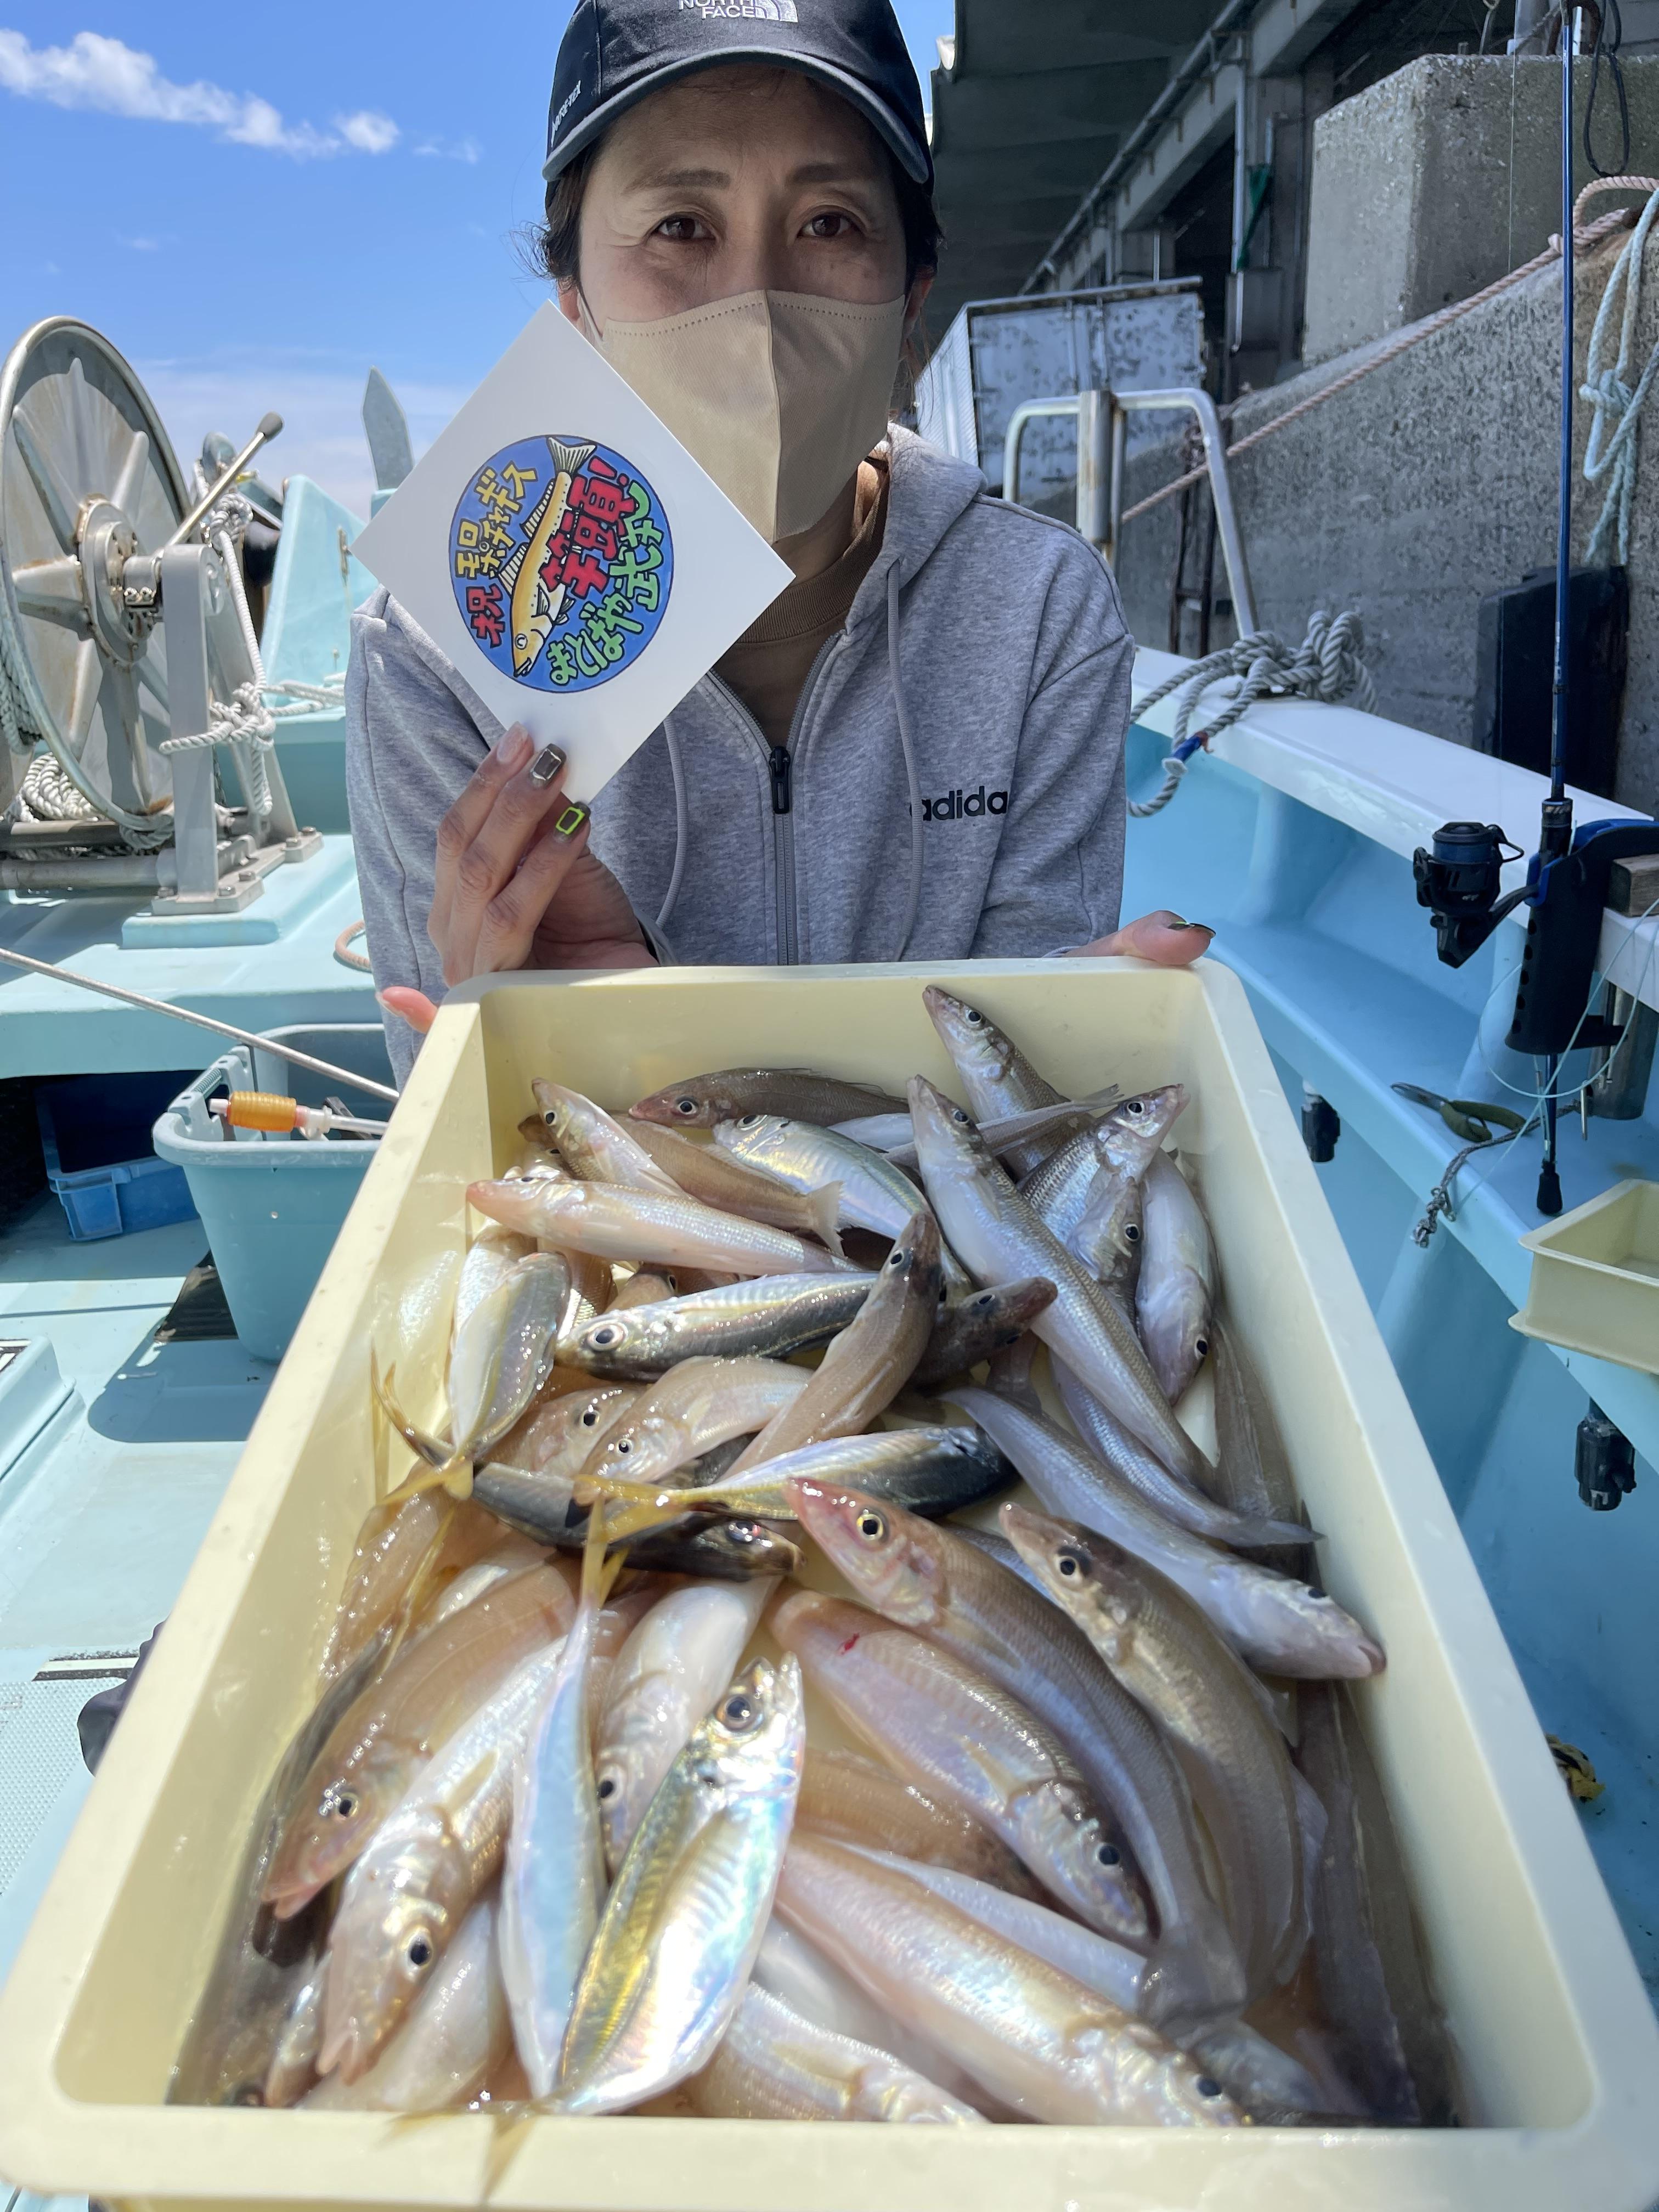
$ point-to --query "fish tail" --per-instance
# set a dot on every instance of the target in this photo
(568, 456)
(825, 1206)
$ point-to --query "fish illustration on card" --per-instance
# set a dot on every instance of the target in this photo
(566, 553)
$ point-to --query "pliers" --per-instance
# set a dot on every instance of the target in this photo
(1470, 1119)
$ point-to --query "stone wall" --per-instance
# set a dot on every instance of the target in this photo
(1430, 483)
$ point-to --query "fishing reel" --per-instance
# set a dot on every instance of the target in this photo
(1565, 892)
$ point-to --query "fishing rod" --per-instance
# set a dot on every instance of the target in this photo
(202, 1022)
(1459, 878)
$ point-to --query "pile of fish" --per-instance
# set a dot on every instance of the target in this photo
(1081, 1829)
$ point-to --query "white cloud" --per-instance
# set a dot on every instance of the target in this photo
(113, 78)
(368, 131)
(445, 149)
(139, 244)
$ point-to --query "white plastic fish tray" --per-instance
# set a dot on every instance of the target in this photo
(1556, 2046)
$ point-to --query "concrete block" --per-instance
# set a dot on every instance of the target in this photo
(1427, 484)
(1440, 178)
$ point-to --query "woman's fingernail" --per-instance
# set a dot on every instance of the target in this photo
(512, 749)
(546, 764)
(571, 820)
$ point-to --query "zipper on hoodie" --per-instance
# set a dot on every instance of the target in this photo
(781, 768)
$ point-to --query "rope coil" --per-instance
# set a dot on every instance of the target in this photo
(1327, 667)
(1612, 452)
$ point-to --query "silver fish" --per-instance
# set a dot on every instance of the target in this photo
(972, 1328)
(789, 1967)
(771, 1315)
(729, 1093)
(1163, 1650)
(932, 1470)
(1118, 1146)
(553, 1881)
(773, 2065)
(870, 1362)
(407, 1895)
(874, 1194)
(293, 2067)
(696, 1405)
(934, 1579)
(490, 1258)
(999, 1237)
(449, 2043)
(557, 1436)
(930, 1714)
(1038, 2041)
(1253, 2070)
(1271, 1621)
(666, 1677)
(598, 1148)
(998, 1077)
(1127, 1458)
(1175, 1290)
(616, 1224)
(731, 1549)
(650, 2013)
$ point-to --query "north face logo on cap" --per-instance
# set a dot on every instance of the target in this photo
(956, 806)
(752, 11)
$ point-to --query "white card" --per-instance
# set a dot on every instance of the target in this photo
(567, 553)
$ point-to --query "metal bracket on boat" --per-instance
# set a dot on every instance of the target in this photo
(1102, 419)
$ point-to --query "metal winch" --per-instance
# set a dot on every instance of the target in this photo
(130, 670)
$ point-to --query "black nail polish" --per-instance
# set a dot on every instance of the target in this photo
(546, 764)
(571, 820)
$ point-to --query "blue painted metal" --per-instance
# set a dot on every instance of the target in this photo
(54, 1029)
(307, 636)
(1322, 925)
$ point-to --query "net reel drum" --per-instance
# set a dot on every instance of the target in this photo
(127, 659)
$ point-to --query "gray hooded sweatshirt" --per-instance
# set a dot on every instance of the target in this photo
(952, 786)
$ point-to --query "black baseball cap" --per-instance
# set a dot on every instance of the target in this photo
(614, 52)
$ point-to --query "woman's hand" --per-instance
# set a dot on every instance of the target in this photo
(515, 884)
(1162, 938)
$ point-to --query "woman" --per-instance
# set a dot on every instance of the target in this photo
(917, 752)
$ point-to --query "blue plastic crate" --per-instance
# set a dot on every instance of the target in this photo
(272, 1207)
(94, 1133)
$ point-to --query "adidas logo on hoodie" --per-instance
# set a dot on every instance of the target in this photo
(956, 806)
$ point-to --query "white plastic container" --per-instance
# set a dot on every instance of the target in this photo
(1556, 2044)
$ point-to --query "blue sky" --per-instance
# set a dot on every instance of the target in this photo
(255, 205)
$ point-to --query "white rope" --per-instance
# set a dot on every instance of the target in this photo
(1326, 667)
(1612, 451)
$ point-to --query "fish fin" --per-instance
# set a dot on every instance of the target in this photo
(1311, 1820)
(431, 1449)
(825, 1206)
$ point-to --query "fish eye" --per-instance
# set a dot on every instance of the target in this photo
(895, 1258)
(1069, 1563)
(1131, 1233)
(957, 1114)
(1200, 1345)
(1207, 2086)
(739, 1711)
(1136, 1106)
(1108, 1855)
(609, 1334)
(607, 1788)
(972, 1016)
(420, 1951)
(589, 1418)
(870, 1525)
(343, 1802)
(742, 1531)
(622, 1447)
(687, 1106)
(984, 1299)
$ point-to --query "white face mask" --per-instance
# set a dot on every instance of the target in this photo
(779, 395)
